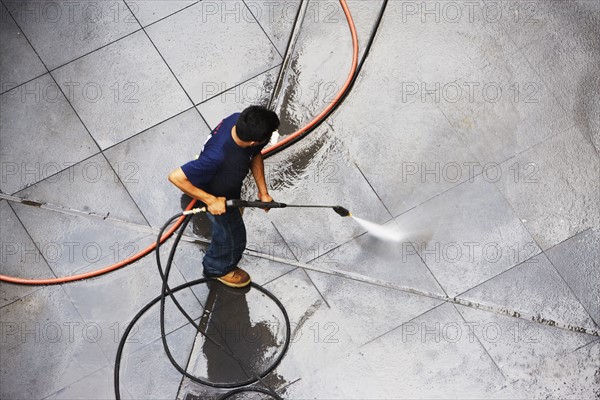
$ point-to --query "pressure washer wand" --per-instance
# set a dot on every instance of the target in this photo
(273, 204)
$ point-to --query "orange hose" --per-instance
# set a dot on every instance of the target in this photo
(98, 272)
(147, 250)
(340, 92)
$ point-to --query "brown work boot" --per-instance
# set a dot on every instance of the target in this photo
(237, 278)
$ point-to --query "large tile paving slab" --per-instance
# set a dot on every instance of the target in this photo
(148, 374)
(70, 243)
(262, 236)
(407, 44)
(51, 348)
(408, 157)
(370, 310)
(150, 11)
(583, 384)
(561, 41)
(61, 32)
(220, 48)
(223, 103)
(535, 288)
(521, 347)
(570, 376)
(349, 378)
(18, 63)
(578, 262)
(465, 64)
(584, 360)
(276, 18)
(112, 300)
(319, 337)
(120, 251)
(554, 187)
(392, 262)
(425, 40)
(90, 186)
(317, 171)
(145, 161)
(40, 134)
(433, 356)
(467, 235)
(98, 385)
(19, 257)
(505, 88)
(388, 78)
(122, 89)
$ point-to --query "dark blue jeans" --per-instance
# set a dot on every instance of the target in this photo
(227, 244)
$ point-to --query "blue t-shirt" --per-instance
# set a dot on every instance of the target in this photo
(222, 165)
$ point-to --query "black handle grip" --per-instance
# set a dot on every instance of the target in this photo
(258, 204)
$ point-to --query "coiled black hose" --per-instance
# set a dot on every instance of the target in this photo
(166, 290)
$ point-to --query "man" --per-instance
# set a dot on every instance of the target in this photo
(233, 148)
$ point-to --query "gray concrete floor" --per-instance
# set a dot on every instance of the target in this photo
(474, 129)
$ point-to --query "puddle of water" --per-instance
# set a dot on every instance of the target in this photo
(246, 323)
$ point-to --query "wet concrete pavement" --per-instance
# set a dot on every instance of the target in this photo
(474, 128)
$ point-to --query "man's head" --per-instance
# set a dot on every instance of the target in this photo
(256, 124)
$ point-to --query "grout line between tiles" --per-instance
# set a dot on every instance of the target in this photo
(401, 325)
(33, 241)
(167, 65)
(126, 190)
(263, 29)
(316, 288)
(481, 344)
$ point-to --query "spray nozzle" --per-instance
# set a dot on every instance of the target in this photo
(342, 212)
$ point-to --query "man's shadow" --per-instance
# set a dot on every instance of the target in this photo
(228, 322)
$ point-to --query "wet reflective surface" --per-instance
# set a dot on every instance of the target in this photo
(242, 324)
(473, 131)
(318, 67)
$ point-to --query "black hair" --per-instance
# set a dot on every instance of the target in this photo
(256, 124)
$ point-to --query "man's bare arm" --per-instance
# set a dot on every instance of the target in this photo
(257, 167)
(216, 205)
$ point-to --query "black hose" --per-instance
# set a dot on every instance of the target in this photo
(348, 90)
(246, 390)
(285, 54)
(166, 290)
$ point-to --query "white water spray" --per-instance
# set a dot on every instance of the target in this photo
(390, 233)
